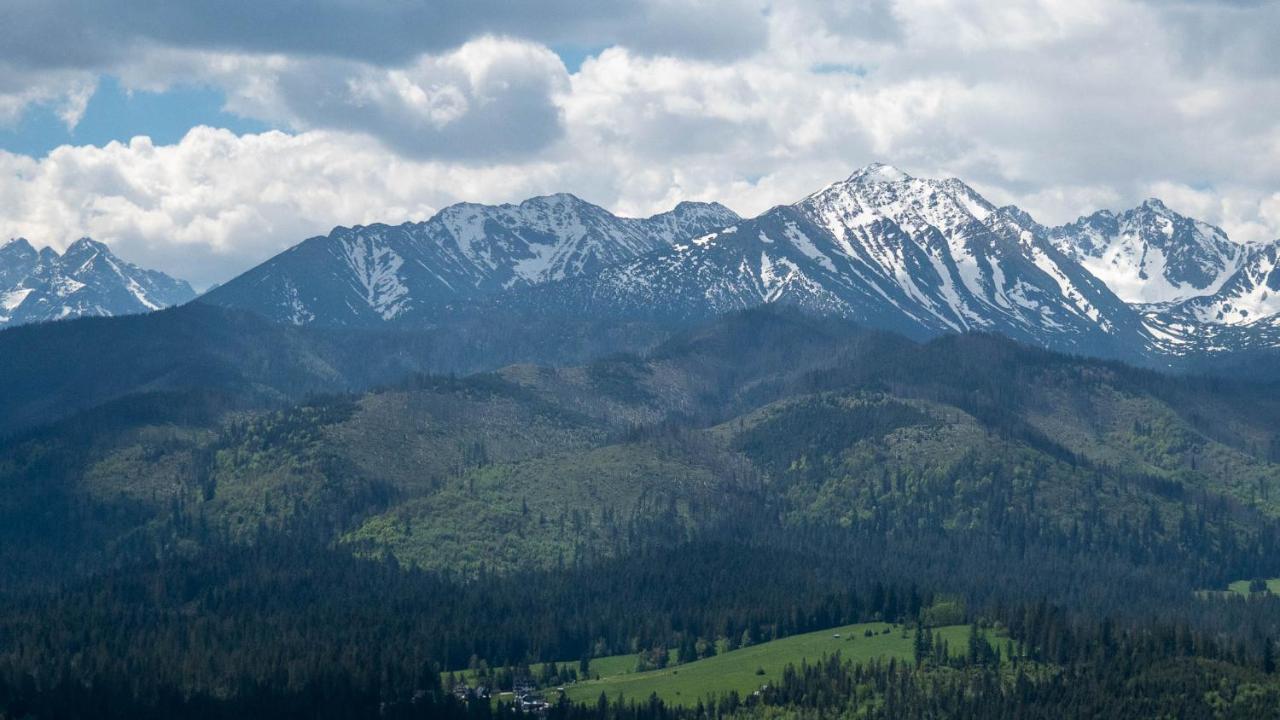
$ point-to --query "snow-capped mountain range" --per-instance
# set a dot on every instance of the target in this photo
(1150, 254)
(86, 280)
(915, 255)
(374, 274)
(919, 256)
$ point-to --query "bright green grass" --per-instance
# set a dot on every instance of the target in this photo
(736, 670)
(1241, 587)
(613, 665)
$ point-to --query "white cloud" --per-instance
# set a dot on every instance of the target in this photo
(55, 34)
(67, 93)
(490, 98)
(216, 203)
(1061, 106)
(75, 102)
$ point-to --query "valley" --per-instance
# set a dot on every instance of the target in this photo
(639, 360)
(894, 406)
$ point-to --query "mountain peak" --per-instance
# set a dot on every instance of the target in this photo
(39, 286)
(1151, 255)
(464, 253)
(18, 246)
(692, 207)
(560, 198)
(84, 245)
(1021, 217)
(878, 173)
(1155, 204)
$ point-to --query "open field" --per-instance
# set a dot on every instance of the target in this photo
(1241, 587)
(739, 670)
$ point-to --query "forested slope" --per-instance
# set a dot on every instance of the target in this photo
(759, 476)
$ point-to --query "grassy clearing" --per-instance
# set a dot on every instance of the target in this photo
(740, 670)
(613, 665)
(1241, 587)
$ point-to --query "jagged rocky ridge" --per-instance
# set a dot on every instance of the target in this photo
(370, 275)
(925, 256)
(1199, 292)
(915, 255)
(86, 280)
(1242, 315)
(1150, 254)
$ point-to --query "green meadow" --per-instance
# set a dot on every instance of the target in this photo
(746, 669)
(1241, 587)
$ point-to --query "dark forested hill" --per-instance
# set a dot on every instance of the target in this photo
(819, 419)
(53, 370)
(760, 475)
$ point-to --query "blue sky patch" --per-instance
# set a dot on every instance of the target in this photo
(114, 113)
(574, 55)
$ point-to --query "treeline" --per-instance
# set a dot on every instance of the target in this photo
(290, 622)
(285, 614)
(1049, 667)
(115, 606)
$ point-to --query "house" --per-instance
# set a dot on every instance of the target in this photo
(465, 692)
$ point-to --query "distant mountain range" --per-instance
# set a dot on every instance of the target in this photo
(1150, 254)
(86, 280)
(375, 274)
(918, 256)
(922, 257)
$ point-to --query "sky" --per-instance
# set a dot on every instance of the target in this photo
(204, 136)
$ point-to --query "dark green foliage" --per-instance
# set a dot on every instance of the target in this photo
(220, 549)
(817, 426)
(618, 377)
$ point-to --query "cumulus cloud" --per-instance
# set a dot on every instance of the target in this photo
(1060, 106)
(67, 92)
(490, 98)
(428, 78)
(90, 33)
(1237, 36)
(216, 203)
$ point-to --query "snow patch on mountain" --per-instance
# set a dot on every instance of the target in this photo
(375, 269)
(379, 273)
(1151, 254)
(86, 280)
(1249, 296)
(13, 298)
(881, 247)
